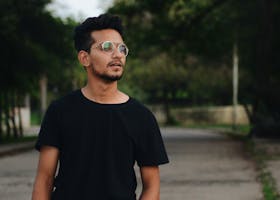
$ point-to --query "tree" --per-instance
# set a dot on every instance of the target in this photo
(156, 77)
(206, 30)
(265, 115)
(34, 44)
(167, 51)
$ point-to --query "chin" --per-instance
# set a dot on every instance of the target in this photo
(111, 78)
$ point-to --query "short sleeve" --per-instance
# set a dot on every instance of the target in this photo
(49, 131)
(150, 150)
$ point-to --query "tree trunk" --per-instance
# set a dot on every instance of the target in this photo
(43, 93)
(248, 113)
(262, 114)
(169, 119)
(6, 107)
(235, 85)
(13, 115)
(18, 105)
(27, 101)
(1, 110)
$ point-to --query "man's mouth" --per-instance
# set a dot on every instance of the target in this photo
(115, 64)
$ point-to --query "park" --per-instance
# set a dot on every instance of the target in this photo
(207, 69)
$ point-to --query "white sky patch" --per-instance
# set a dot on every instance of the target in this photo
(78, 9)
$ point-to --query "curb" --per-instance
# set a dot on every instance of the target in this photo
(12, 149)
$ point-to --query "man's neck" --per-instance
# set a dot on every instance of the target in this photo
(106, 93)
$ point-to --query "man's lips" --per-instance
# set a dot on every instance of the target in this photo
(115, 64)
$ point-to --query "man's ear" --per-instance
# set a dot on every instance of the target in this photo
(83, 57)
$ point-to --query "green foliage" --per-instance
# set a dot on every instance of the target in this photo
(181, 11)
(156, 35)
(156, 76)
(260, 157)
(206, 30)
(33, 44)
(269, 188)
(36, 118)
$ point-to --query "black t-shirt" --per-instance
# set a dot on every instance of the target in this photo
(99, 144)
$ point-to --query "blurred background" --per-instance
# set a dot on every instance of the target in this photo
(202, 66)
(196, 62)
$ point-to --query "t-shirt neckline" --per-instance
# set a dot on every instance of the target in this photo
(102, 104)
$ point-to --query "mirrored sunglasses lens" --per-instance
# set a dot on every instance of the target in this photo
(123, 49)
(107, 46)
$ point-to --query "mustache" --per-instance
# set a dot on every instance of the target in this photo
(116, 62)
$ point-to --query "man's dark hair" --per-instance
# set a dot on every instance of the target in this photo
(82, 34)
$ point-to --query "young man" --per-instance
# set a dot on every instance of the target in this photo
(97, 133)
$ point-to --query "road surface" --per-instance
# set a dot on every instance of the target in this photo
(203, 166)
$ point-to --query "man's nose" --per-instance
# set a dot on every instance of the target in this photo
(117, 53)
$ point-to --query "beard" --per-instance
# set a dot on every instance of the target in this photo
(106, 77)
(109, 78)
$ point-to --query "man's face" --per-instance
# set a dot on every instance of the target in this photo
(108, 66)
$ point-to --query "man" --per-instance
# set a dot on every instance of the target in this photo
(97, 133)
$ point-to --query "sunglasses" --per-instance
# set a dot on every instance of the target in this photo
(110, 47)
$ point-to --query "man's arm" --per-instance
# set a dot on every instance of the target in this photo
(151, 182)
(43, 184)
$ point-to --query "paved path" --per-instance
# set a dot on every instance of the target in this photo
(17, 174)
(204, 166)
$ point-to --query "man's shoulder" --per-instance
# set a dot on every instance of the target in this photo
(140, 107)
(136, 103)
(66, 100)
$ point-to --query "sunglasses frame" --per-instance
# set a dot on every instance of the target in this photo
(114, 46)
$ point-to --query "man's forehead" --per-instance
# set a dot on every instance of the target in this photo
(106, 34)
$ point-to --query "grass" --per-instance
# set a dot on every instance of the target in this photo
(35, 118)
(240, 132)
(239, 128)
(260, 157)
(269, 186)
(10, 140)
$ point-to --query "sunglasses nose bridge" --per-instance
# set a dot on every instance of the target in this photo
(116, 51)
